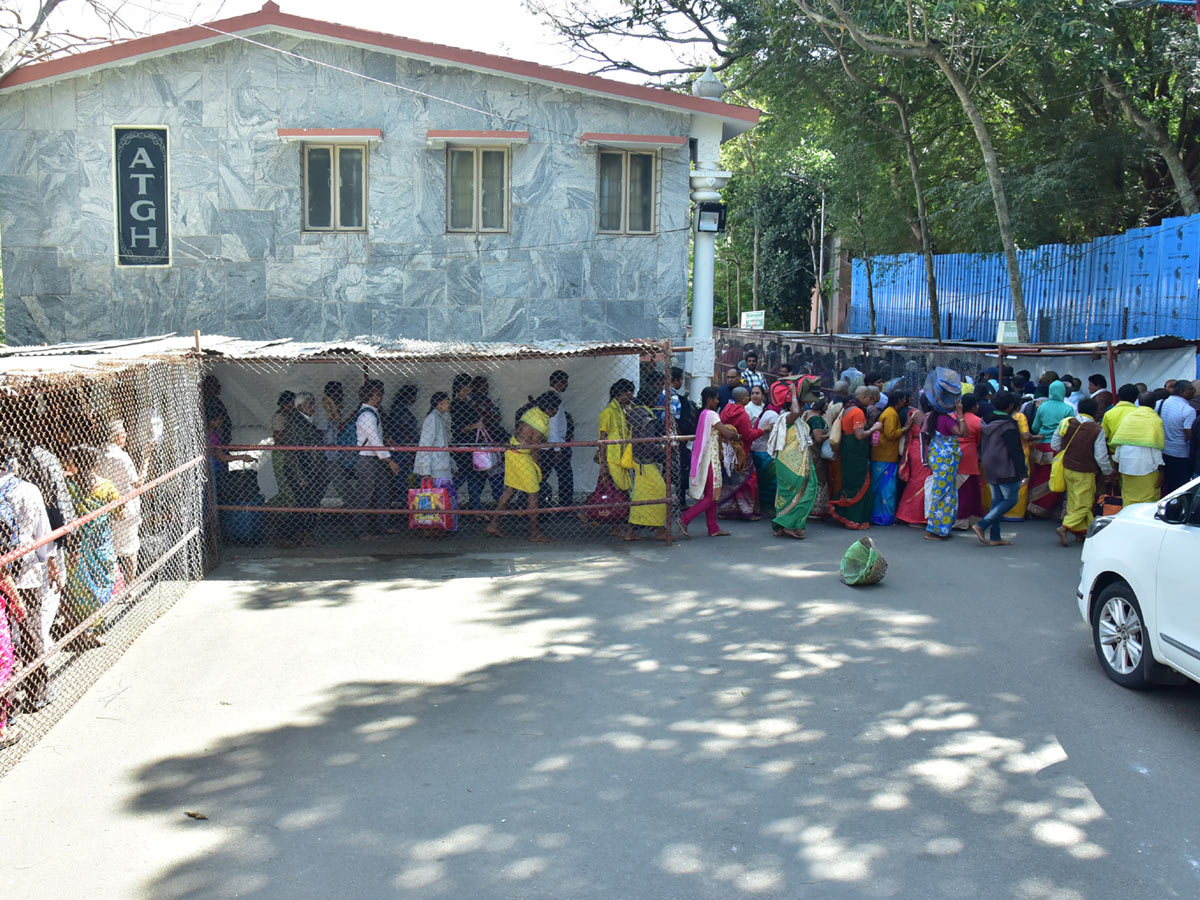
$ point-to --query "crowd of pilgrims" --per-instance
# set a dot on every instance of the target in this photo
(942, 449)
(50, 591)
(630, 475)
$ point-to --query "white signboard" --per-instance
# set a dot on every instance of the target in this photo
(754, 319)
(1006, 332)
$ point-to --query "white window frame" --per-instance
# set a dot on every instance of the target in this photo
(335, 187)
(626, 170)
(477, 188)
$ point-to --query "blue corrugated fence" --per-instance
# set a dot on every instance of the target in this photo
(1139, 283)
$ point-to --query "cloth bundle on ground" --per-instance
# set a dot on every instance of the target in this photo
(863, 564)
(943, 388)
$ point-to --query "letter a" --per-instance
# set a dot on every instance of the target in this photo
(141, 158)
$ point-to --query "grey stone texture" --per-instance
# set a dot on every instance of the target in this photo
(240, 263)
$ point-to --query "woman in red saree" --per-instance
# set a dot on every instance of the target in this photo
(914, 471)
(739, 493)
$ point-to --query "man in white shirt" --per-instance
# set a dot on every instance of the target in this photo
(562, 430)
(1177, 418)
(36, 574)
(372, 487)
(117, 466)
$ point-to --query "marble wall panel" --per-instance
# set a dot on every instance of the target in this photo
(341, 320)
(504, 320)
(247, 234)
(343, 281)
(12, 112)
(235, 177)
(380, 66)
(34, 320)
(547, 317)
(394, 321)
(424, 287)
(296, 278)
(18, 153)
(95, 315)
(509, 280)
(462, 323)
(628, 319)
(174, 117)
(21, 210)
(245, 291)
(88, 278)
(51, 107)
(298, 317)
(196, 247)
(174, 88)
(464, 282)
(126, 318)
(49, 277)
(191, 211)
(556, 113)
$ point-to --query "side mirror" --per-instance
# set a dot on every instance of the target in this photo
(1173, 511)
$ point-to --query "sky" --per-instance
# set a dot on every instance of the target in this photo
(493, 26)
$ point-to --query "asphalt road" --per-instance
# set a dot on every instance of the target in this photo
(720, 719)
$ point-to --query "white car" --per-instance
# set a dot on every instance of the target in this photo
(1139, 590)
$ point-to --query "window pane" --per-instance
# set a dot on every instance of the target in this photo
(611, 170)
(492, 185)
(320, 212)
(641, 192)
(462, 189)
(350, 185)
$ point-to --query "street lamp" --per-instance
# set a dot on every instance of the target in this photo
(710, 217)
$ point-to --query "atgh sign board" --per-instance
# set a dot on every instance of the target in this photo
(143, 223)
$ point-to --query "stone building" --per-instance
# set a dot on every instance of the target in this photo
(275, 176)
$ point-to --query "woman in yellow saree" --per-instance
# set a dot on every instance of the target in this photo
(521, 470)
(616, 460)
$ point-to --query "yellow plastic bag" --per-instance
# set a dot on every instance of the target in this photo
(1058, 474)
(1058, 468)
(627, 457)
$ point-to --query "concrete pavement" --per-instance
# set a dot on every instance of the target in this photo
(719, 719)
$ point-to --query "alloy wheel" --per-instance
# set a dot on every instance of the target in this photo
(1121, 637)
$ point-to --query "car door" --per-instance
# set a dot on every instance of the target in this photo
(1177, 607)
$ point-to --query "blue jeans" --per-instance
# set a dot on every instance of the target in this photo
(1004, 498)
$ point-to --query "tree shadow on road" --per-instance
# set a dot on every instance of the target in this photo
(664, 740)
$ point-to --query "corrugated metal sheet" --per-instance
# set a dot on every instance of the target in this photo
(1143, 282)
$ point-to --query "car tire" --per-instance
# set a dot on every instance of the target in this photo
(1120, 638)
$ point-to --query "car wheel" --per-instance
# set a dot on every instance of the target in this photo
(1120, 638)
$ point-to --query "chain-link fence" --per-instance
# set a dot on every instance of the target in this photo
(101, 524)
(460, 444)
(898, 361)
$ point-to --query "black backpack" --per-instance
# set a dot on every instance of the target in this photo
(689, 415)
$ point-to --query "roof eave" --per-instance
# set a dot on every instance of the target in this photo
(736, 119)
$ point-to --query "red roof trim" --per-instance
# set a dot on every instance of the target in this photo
(600, 137)
(271, 16)
(331, 132)
(450, 134)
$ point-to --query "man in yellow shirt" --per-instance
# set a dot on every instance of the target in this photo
(1127, 396)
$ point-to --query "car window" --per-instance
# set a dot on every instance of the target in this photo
(1193, 517)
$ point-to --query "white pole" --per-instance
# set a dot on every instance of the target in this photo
(706, 181)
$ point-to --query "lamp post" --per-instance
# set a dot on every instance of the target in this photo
(706, 181)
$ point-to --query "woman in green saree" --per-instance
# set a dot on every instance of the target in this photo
(795, 470)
